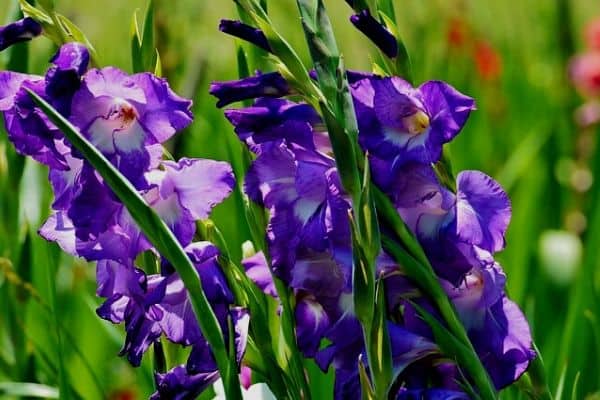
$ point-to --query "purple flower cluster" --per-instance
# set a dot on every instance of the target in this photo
(295, 177)
(128, 117)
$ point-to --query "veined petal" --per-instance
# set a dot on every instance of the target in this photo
(483, 211)
(200, 184)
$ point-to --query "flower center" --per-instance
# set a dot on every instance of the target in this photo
(416, 123)
(122, 113)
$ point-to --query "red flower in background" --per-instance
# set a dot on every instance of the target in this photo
(592, 34)
(458, 31)
(487, 60)
(122, 394)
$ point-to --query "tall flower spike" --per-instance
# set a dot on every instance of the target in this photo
(19, 31)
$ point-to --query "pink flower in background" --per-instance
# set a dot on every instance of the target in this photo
(584, 72)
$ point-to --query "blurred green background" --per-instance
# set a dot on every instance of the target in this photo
(510, 56)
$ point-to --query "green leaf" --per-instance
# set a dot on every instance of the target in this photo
(51, 270)
(402, 66)
(159, 235)
(136, 44)
(148, 49)
(158, 65)
(144, 54)
(21, 389)
(365, 383)
(380, 344)
(50, 28)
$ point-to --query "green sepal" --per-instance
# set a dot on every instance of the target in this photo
(365, 384)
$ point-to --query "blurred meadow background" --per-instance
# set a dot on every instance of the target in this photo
(512, 57)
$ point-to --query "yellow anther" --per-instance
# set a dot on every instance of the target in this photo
(416, 123)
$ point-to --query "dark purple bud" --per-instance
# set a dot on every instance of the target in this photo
(261, 85)
(64, 78)
(245, 32)
(375, 31)
(19, 31)
(74, 56)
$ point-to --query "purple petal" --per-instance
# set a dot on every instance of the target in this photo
(257, 270)
(271, 177)
(311, 324)
(447, 107)
(199, 184)
(483, 211)
(178, 384)
(64, 78)
(275, 119)
(504, 343)
(163, 112)
(59, 228)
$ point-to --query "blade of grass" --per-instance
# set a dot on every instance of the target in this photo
(21, 389)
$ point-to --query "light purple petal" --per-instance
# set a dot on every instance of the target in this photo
(257, 270)
(483, 211)
(163, 112)
(200, 184)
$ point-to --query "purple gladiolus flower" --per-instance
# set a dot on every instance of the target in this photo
(245, 32)
(122, 115)
(28, 127)
(183, 383)
(262, 85)
(92, 224)
(495, 325)
(448, 225)
(19, 31)
(400, 123)
(152, 305)
(374, 30)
